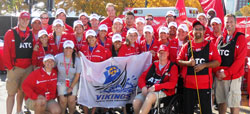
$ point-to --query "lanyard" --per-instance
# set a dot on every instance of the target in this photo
(149, 45)
(65, 65)
(91, 52)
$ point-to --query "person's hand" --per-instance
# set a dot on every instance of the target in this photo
(40, 97)
(144, 91)
(220, 75)
(69, 89)
(36, 47)
(152, 52)
(191, 62)
(199, 67)
(151, 89)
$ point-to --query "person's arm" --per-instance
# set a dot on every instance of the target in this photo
(7, 49)
(77, 75)
(181, 59)
(28, 86)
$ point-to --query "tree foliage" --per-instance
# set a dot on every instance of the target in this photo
(245, 11)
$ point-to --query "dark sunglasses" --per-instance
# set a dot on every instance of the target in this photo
(149, 19)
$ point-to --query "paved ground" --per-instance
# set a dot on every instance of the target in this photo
(244, 109)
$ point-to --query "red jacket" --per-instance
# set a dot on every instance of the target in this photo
(126, 50)
(169, 81)
(68, 29)
(174, 49)
(37, 56)
(81, 43)
(212, 38)
(154, 47)
(49, 29)
(107, 22)
(204, 81)
(98, 54)
(9, 50)
(107, 44)
(236, 70)
(38, 83)
(64, 37)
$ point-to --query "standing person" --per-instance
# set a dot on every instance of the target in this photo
(117, 28)
(69, 69)
(139, 24)
(95, 53)
(233, 50)
(161, 75)
(94, 21)
(129, 21)
(79, 34)
(150, 43)
(117, 43)
(41, 48)
(58, 36)
(203, 19)
(130, 47)
(36, 27)
(172, 27)
(211, 13)
(110, 9)
(85, 21)
(40, 88)
(170, 17)
(163, 35)
(18, 48)
(44, 16)
(216, 25)
(150, 21)
(197, 63)
(176, 44)
(102, 38)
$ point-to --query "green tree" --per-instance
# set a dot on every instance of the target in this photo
(245, 11)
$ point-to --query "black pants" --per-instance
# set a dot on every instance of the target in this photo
(191, 99)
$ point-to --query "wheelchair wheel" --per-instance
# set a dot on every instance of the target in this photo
(175, 105)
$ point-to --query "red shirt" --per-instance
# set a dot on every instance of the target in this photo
(236, 70)
(38, 83)
(204, 81)
(107, 22)
(174, 49)
(98, 54)
(80, 43)
(37, 56)
(154, 46)
(64, 37)
(169, 81)
(107, 44)
(126, 50)
(9, 50)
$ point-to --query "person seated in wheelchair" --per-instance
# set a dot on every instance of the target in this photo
(158, 81)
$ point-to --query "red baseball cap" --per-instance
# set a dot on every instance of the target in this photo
(163, 48)
(196, 22)
(24, 14)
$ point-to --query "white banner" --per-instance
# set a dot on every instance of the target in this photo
(111, 83)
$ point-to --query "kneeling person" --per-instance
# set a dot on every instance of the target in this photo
(161, 75)
(40, 88)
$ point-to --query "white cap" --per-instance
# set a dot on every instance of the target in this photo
(132, 30)
(140, 19)
(216, 20)
(116, 37)
(58, 21)
(148, 28)
(201, 14)
(93, 16)
(163, 29)
(172, 24)
(60, 10)
(170, 13)
(35, 19)
(90, 33)
(77, 22)
(83, 14)
(42, 32)
(68, 43)
(47, 57)
(118, 20)
(103, 27)
(211, 9)
(183, 27)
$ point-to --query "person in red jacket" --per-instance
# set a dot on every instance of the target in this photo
(160, 75)
(102, 38)
(57, 38)
(150, 43)
(110, 9)
(176, 44)
(117, 43)
(233, 50)
(79, 34)
(130, 47)
(41, 49)
(203, 19)
(163, 36)
(44, 16)
(40, 88)
(172, 27)
(217, 32)
(36, 27)
(94, 21)
(18, 48)
(139, 24)
(197, 63)
(117, 28)
(85, 21)
(129, 21)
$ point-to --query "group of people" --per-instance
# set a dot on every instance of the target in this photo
(44, 62)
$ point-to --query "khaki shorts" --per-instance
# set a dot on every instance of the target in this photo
(30, 104)
(233, 97)
(159, 95)
(15, 78)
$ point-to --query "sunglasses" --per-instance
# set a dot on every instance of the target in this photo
(149, 19)
(44, 17)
